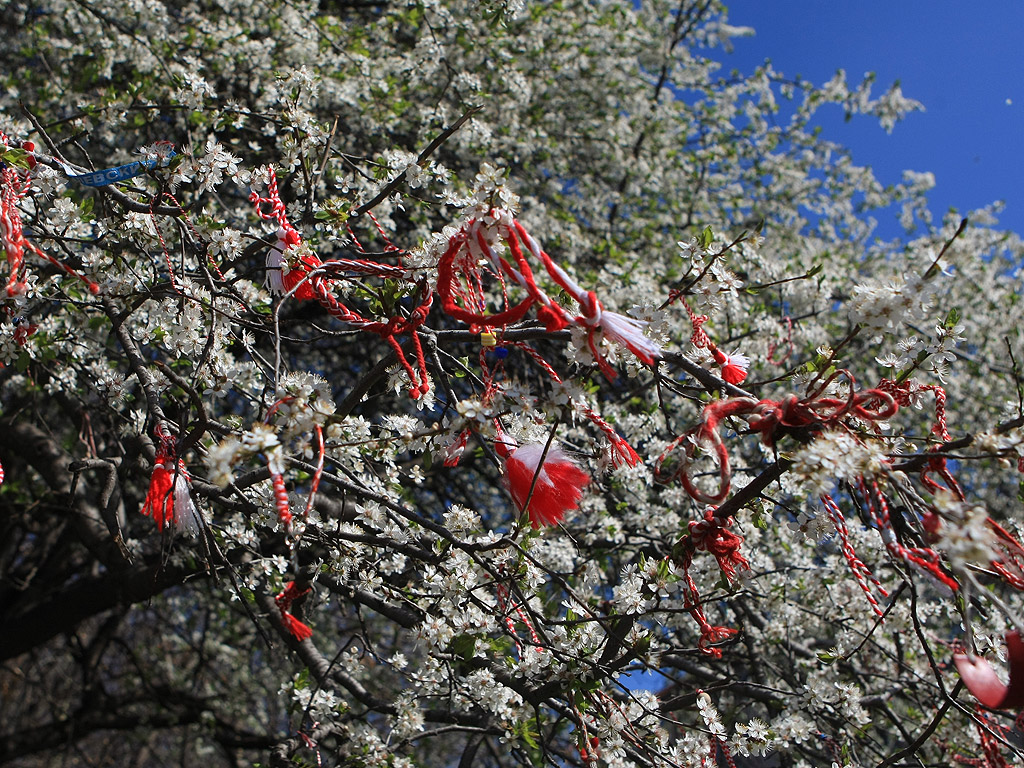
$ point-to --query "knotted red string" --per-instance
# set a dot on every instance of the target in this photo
(460, 286)
(305, 277)
(768, 417)
(711, 535)
(734, 367)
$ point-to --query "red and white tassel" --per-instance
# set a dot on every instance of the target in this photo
(168, 500)
(453, 453)
(734, 366)
(559, 481)
(277, 262)
(618, 329)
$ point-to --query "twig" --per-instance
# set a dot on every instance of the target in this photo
(392, 185)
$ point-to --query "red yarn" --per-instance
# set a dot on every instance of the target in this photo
(305, 275)
(13, 187)
(168, 500)
(160, 497)
(460, 287)
(559, 483)
(712, 535)
(767, 417)
(284, 601)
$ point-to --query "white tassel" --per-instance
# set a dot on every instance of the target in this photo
(187, 518)
(629, 332)
(277, 264)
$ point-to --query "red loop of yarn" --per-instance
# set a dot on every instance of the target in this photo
(460, 263)
(861, 573)
(1011, 565)
(981, 679)
(460, 287)
(304, 277)
(767, 417)
(705, 432)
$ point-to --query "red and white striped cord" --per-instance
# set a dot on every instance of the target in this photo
(507, 606)
(860, 571)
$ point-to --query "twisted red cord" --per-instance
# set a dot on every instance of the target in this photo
(860, 571)
(13, 187)
(925, 558)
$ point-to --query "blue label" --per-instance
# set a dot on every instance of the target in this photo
(120, 173)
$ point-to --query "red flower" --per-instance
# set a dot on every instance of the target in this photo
(559, 485)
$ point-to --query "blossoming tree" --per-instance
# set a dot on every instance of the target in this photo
(471, 383)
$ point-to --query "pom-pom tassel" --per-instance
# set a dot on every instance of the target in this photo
(629, 332)
(559, 483)
(734, 366)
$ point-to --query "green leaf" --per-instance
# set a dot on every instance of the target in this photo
(16, 157)
(707, 236)
(462, 645)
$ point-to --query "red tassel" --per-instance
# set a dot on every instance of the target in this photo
(734, 366)
(559, 485)
(168, 500)
(284, 601)
(160, 497)
(299, 630)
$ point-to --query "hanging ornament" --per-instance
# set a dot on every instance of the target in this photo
(168, 500)
(472, 255)
(556, 480)
(13, 187)
(734, 367)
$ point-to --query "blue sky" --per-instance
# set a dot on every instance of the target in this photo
(961, 60)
